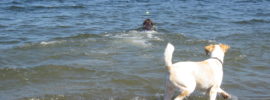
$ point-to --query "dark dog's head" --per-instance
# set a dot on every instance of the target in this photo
(148, 24)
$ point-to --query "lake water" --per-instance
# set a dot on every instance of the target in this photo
(90, 50)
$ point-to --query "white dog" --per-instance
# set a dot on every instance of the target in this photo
(186, 76)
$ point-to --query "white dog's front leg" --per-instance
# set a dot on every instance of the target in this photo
(169, 90)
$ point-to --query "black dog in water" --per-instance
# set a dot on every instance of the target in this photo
(148, 25)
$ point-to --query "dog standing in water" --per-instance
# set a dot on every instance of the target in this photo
(148, 25)
(186, 76)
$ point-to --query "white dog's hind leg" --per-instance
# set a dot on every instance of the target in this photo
(186, 91)
(183, 94)
(224, 94)
(213, 93)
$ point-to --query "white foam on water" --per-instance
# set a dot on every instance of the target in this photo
(233, 97)
(138, 98)
(45, 43)
(137, 38)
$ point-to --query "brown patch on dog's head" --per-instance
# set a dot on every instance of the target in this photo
(209, 48)
(224, 47)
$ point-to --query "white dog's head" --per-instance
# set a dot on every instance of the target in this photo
(214, 49)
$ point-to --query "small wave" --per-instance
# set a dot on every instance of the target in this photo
(79, 36)
(44, 43)
(263, 14)
(252, 21)
(39, 44)
(82, 36)
(249, 1)
(41, 71)
(205, 17)
(40, 7)
(59, 41)
(16, 8)
(3, 26)
(199, 41)
(247, 36)
(9, 42)
(57, 7)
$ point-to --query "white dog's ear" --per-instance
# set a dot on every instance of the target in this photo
(209, 48)
(224, 47)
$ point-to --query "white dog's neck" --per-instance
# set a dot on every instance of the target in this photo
(217, 53)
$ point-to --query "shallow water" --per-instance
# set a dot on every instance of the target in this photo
(90, 50)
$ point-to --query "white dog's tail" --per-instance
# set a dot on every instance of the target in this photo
(168, 55)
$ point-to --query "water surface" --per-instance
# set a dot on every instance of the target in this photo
(90, 50)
